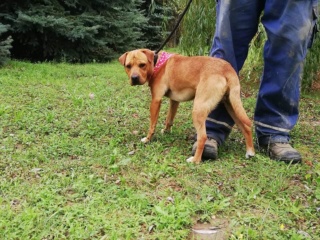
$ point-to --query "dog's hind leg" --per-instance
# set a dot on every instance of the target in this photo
(199, 116)
(170, 116)
(208, 96)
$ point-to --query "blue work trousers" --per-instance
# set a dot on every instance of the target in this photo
(289, 25)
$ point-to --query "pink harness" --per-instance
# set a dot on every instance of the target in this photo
(162, 60)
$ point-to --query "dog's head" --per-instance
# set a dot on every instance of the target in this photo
(138, 65)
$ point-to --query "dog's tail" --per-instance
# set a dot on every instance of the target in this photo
(235, 100)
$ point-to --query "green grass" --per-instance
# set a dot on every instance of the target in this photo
(72, 165)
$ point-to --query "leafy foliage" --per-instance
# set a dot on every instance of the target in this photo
(5, 44)
(83, 31)
(198, 27)
(158, 15)
(75, 31)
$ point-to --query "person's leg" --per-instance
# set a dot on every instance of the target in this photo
(288, 24)
(236, 24)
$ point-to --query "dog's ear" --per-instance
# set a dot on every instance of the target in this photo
(122, 58)
(149, 54)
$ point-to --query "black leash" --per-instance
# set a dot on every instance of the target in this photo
(175, 27)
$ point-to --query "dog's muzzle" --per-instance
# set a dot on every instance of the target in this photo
(135, 79)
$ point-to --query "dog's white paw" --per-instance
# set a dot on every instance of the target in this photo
(249, 154)
(190, 159)
(144, 140)
(163, 131)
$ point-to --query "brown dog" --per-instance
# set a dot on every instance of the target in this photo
(207, 80)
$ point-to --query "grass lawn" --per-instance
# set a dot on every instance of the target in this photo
(72, 165)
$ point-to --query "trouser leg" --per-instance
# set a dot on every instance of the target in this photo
(236, 24)
(288, 24)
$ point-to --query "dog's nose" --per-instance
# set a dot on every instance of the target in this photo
(135, 79)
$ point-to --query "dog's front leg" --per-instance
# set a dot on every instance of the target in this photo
(154, 114)
(170, 116)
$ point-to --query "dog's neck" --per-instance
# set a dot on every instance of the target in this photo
(159, 61)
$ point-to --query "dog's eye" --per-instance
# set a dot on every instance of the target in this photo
(142, 65)
(128, 66)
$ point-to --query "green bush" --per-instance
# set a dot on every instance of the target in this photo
(198, 27)
(5, 44)
(73, 31)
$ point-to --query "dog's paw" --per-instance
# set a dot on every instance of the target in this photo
(145, 140)
(190, 159)
(193, 160)
(249, 154)
(163, 131)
